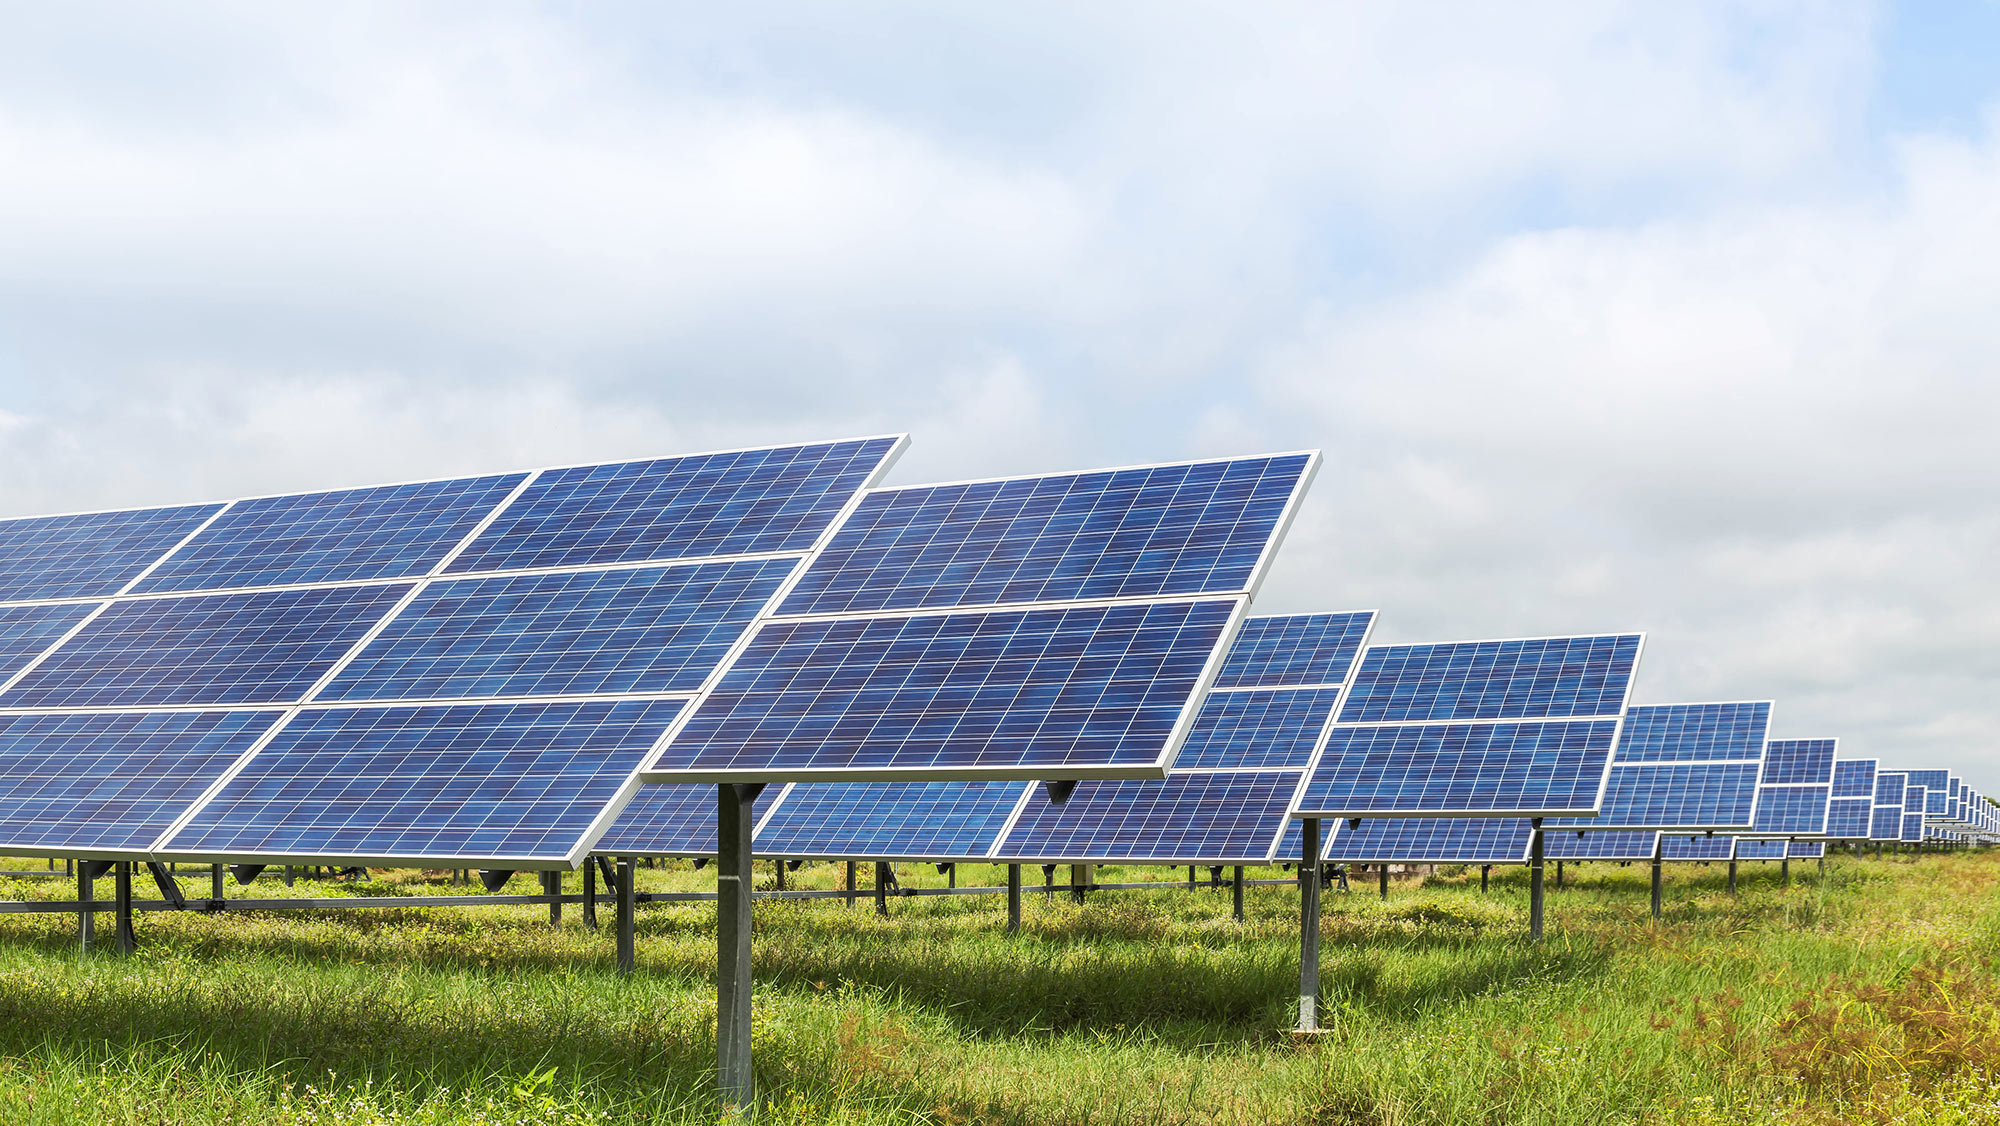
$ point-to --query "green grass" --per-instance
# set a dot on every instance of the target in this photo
(1868, 997)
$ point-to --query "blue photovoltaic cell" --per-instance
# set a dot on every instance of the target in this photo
(1799, 760)
(672, 821)
(27, 631)
(735, 503)
(1929, 779)
(1695, 732)
(1750, 848)
(385, 532)
(1293, 649)
(649, 629)
(1238, 730)
(1695, 795)
(891, 820)
(1935, 803)
(112, 781)
(1792, 809)
(1888, 823)
(1530, 769)
(1432, 840)
(1697, 848)
(1854, 778)
(477, 780)
(1209, 817)
(1633, 845)
(1915, 798)
(1889, 788)
(1550, 677)
(1082, 687)
(261, 647)
(88, 554)
(1848, 818)
(1806, 850)
(1158, 530)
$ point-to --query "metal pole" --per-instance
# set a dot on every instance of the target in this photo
(850, 883)
(1785, 869)
(735, 818)
(127, 941)
(1656, 879)
(1485, 872)
(882, 887)
(778, 863)
(1013, 899)
(589, 893)
(1190, 878)
(1822, 867)
(215, 882)
(1732, 875)
(1535, 881)
(86, 919)
(1049, 882)
(627, 900)
(1384, 869)
(1309, 925)
(1559, 875)
(1236, 894)
(1079, 879)
(552, 885)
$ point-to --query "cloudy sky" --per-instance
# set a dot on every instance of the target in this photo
(1674, 317)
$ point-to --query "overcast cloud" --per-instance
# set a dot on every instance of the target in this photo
(1626, 316)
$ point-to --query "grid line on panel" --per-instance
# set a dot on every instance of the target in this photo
(1695, 732)
(88, 554)
(956, 820)
(671, 820)
(738, 502)
(1144, 532)
(499, 780)
(1549, 677)
(1295, 650)
(653, 629)
(379, 532)
(1464, 768)
(1432, 840)
(1207, 816)
(267, 647)
(1098, 685)
(112, 781)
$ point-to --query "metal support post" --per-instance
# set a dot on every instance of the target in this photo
(1309, 925)
(1485, 874)
(1822, 867)
(215, 881)
(1732, 875)
(627, 900)
(127, 940)
(1236, 894)
(1190, 879)
(1535, 855)
(882, 875)
(1384, 870)
(1785, 869)
(589, 893)
(1559, 875)
(86, 891)
(951, 875)
(1079, 879)
(1049, 882)
(1657, 849)
(1013, 899)
(735, 817)
(552, 885)
(778, 865)
(850, 883)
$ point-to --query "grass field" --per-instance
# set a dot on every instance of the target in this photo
(1870, 996)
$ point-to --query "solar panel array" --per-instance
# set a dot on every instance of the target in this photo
(1697, 847)
(468, 670)
(1684, 766)
(1850, 812)
(1619, 845)
(1431, 840)
(1796, 785)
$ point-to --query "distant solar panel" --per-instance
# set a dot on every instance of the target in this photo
(1887, 824)
(1694, 795)
(88, 554)
(1210, 817)
(1432, 840)
(1603, 845)
(672, 821)
(1797, 782)
(1789, 761)
(1291, 650)
(739, 502)
(891, 820)
(1755, 848)
(1721, 732)
(1889, 788)
(1807, 850)
(1854, 778)
(385, 532)
(91, 784)
(644, 629)
(1913, 828)
(1688, 848)
(1934, 783)
(1547, 677)
(1849, 818)
(397, 785)
(260, 647)
(1792, 809)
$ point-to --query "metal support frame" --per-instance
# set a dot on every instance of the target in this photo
(734, 878)
(1485, 874)
(1785, 867)
(1049, 882)
(1659, 848)
(215, 881)
(1080, 876)
(1732, 875)
(884, 875)
(552, 887)
(1236, 894)
(1535, 858)
(627, 900)
(590, 895)
(850, 883)
(1013, 896)
(1190, 878)
(1309, 925)
(128, 941)
(1559, 875)
(1384, 870)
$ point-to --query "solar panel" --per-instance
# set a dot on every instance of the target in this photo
(1889, 788)
(88, 554)
(1913, 828)
(1623, 845)
(1692, 847)
(1147, 532)
(1849, 818)
(1797, 782)
(401, 785)
(26, 632)
(107, 784)
(1788, 761)
(1721, 732)
(1293, 650)
(645, 629)
(740, 502)
(1211, 817)
(1887, 824)
(384, 532)
(1683, 767)
(1792, 809)
(1106, 688)
(1242, 729)
(1754, 848)
(1854, 778)
(1807, 850)
(259, 647)
(1933, 783)
(957, 820)
(1432, 840)
(672, 821)
(1433, 761)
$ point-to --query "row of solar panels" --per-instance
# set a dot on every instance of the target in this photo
(483, 670)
